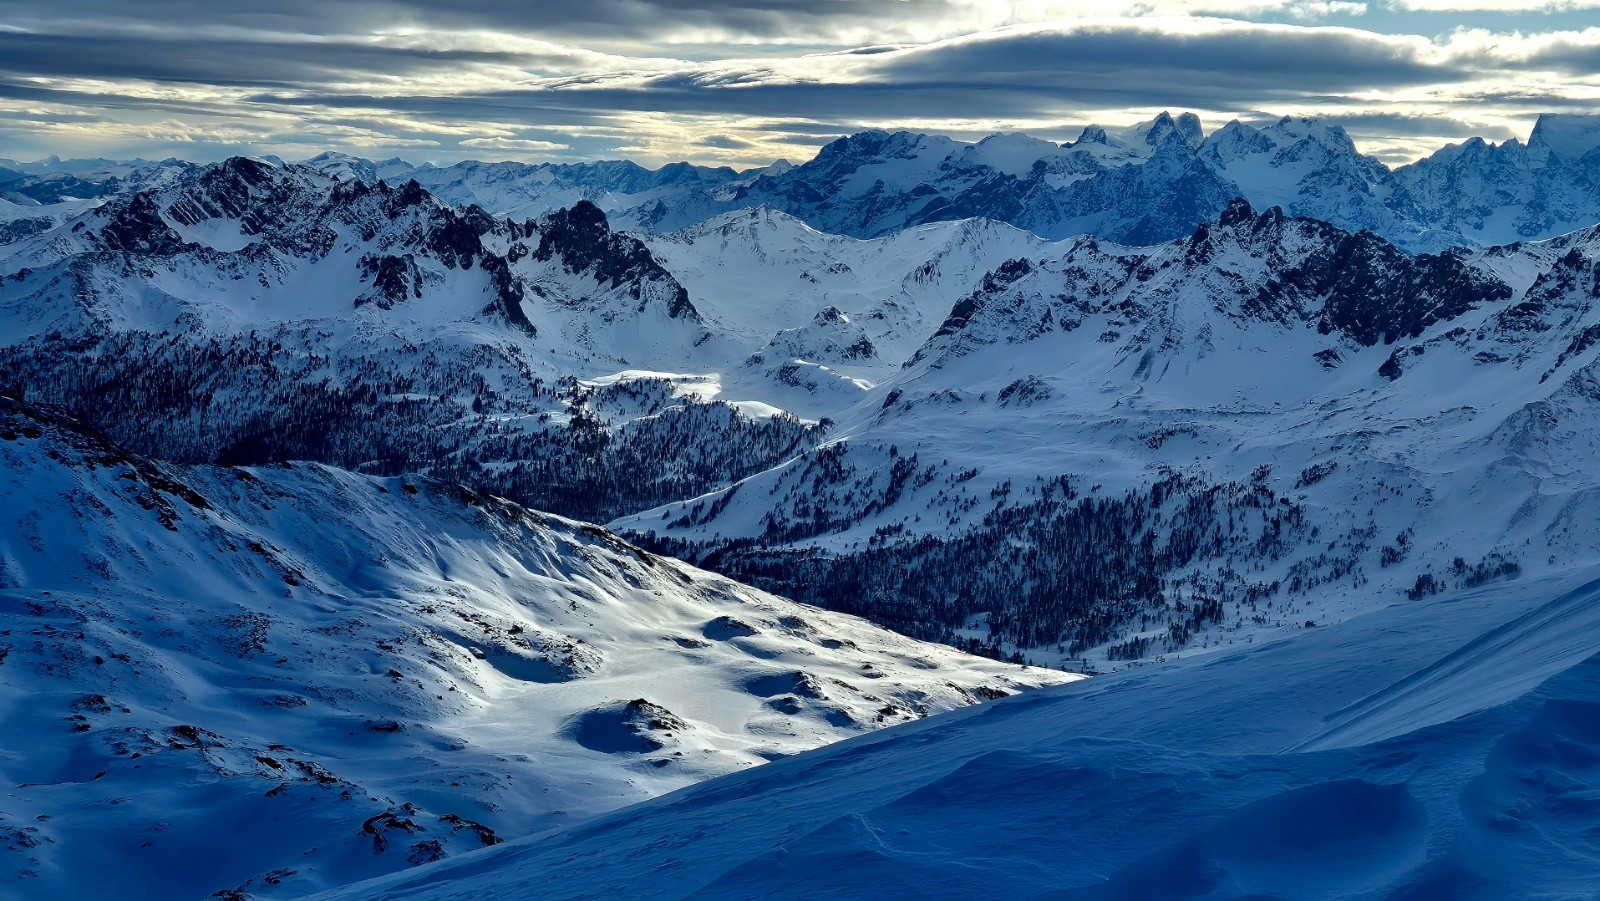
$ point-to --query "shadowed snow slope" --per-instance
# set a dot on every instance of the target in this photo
(1438, 749)
(272, 681)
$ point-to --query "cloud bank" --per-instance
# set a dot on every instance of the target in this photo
(743, 82)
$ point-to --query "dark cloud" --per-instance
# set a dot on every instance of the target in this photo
(1527, 101)
(726, 142)
(587, 20)
(229, 63)
(1232, 56)
(1014, 74)
(107, 103)
(1568, 56)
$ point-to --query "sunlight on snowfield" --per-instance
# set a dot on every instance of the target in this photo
(1436, 749)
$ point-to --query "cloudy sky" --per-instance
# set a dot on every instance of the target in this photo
(743, 82)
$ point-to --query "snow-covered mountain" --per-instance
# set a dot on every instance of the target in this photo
(256, 312)
(1144, 184)
(304, 244)
(519, 190)
(19, 221)
(827, 315)
(264, 681)
(1477, 193)
(1139, 452)
(1157, 181)
(1433, 749)
(1078, 451)
(54, 180)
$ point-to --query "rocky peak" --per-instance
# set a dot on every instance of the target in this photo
(876, 146)
(1184, 130)
(1092, 134)
(1376, 294)
(249, 171)
(677, 173)
(861, 143)
(1567, 138)
(1189, 128)
(1351, 283)
(238, 188)
(135, 226)
(1238, 212)
(1235, 140)
(411, 194)
(582, 239)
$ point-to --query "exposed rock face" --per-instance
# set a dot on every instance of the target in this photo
(584, 242)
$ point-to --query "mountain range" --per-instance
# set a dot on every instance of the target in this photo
(308, 461)
(1143, 184)
(1076, 452)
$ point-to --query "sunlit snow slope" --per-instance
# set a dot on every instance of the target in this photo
(282, 679)
(1440, 749)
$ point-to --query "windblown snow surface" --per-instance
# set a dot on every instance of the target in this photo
(1448, 748)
